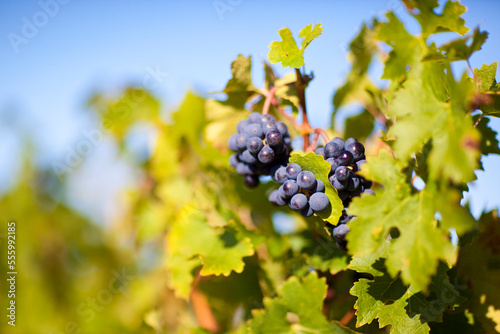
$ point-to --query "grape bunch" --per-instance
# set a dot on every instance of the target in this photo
(345, 159)
(300, 190)
(261, 146)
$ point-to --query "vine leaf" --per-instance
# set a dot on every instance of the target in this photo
(218, 251)
(486, 76)
(421, 243)
(287, 52)
(317, 165)
(240, 87)
(405, 308)
(448, 21)
(463, 48)
(479, 265)
(297, 309)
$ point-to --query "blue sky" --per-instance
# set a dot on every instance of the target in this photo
(84, 46)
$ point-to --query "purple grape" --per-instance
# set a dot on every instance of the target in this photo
(318, 201)
(306, 180)
(266, 155)
(298, 202)
(292, 170)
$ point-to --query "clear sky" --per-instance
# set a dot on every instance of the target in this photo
(71, 48)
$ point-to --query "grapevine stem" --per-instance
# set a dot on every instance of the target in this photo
(202, 309)
(300, 85)
(479, 120)
(317, 133)
(283, 112)
(269, 98)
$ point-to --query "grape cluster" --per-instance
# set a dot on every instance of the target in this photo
(345, 159)
(262, 145)
(300, 190)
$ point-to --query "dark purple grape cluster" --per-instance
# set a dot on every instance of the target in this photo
(261, 146)
(300, 190)
(345, 159)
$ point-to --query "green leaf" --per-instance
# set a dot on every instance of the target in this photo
(421, 243)
(118, 115)
(489, 142)
(297, 309)
(448, 21)
(320, 168)
(287, 52)
(406, 48)
(218, 252)
(486, 76)
(479, 265)
(359, 126)
(463, 48)
(422, 114)
(405, 308)
(240, 87)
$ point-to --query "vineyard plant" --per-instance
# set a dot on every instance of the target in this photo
(249, 220)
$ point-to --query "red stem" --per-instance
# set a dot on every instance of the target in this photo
(283, 112)
(269, 98)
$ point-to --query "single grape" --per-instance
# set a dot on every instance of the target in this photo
(288, 189)
(320, 186)
(345, 158)
(274, 138)
(247, 157)
(306, 180)
(340, 231)
(233, 160)
(231, 143)
(338, 141)
(298, 202)
(320, 151)
(292, 170)
(242, 125)
(254, 117)
(333, 163)
(349, 141)
(254, 130)
(280, 175)
(243, 168)
(266, 155)
(359, 164)
(342, 173)
(251, 181)
(332, 150)
(318, 201)
(254, 145)
(265, 118)
(269, 126)
(357, 149)
(336, 183)
(353, 183)
(307, 211)
(368, 192)
(281, 127)
(241, 141)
